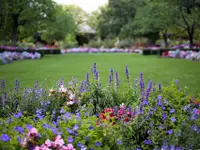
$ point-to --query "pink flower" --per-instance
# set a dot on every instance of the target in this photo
(62, 89)
(33, 132)
(24, 142)
(37, 148)
(59, 142)
(64, 148)
(48, 143)
(58, 137)
(44, 147)
(70, 103)
(71, 147)
(72, 96)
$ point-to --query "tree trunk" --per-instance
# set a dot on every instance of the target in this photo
(14, 29)
(191, 36)
(165, 37)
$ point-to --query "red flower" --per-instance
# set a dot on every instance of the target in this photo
(199, 111)
(120, 112)
(109, 110)
(103, 117)
(126, 119)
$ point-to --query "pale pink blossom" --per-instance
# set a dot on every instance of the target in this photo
(70, 146)
(72, 96)
(33, 132)
(48, 143)
(24, 142)
(37, 148)
(64, 148)
(62, 89)
(70, 103)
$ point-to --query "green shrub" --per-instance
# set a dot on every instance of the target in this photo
(126, 43)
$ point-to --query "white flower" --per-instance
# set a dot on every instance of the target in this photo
(70, 103)
(62, 89)
(72, 96)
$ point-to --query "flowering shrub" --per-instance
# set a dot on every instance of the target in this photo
(100, 50)
(7, 57)
(189, 55)
(86, 115)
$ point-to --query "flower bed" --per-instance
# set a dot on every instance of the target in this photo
(87, 115)
(8, 57)
(42, 51)
(189, 55)
(100, 50)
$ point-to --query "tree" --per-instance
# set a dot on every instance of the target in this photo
(115, 16)
(154, 16)
(187, 16)
(61, 27)
(26, 12)
(80, 17)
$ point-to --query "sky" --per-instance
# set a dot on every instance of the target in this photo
(87, 5)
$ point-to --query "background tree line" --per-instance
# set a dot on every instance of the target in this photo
(154, 19)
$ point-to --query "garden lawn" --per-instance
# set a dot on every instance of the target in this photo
(50, 69)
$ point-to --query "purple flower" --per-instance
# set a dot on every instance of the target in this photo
(46, 126)
(69, 131)
(95, 68)
(62, 110)
(87, 78)
(159, 102)
(127, 72)
(19, 139)
(147, 142)
(172, 111)
(141, 82)
(76, 127)
(164, 116)
(79, 145)
(70, 140)
(5, 138)
(165, 101)
(78, 116)
(97, 75)
(39, 114)
(119, 142)
(9, 120)
(111, 74)
(18, 115)
(19, 129)
(67, 115)
(148, 90)
(86, 138)
(195, 128)
(98, 144)
(91, 128)
(170, 131)
(173, 119)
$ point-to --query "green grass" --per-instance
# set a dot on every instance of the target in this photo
(51, 68)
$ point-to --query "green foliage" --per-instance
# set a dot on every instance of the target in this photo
(70, 41)
(26, 14)
(61, 27)
(106, 43)
(126, 43)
